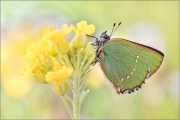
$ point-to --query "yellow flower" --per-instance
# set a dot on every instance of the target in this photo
(32, 54)
(38, 62)
(54, 41)
(80, 40)
(61, 34)
(59, 38)
(89, 51)
(36, 55)
(48, 47)
(52, 60)
(62, 47)
(39, 74)
(45, 61)
(82, 27)
(44, 32)
(59, 78)
(34, 50)
(57, 65)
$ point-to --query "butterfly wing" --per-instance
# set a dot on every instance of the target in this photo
(127, 64)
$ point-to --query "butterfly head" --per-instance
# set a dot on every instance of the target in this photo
(104, 37)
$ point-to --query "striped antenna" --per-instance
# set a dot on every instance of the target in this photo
(113, 31)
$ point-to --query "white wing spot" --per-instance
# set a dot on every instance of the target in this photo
(136, 59)
(122, 79)
(149, 70)
(131, 71)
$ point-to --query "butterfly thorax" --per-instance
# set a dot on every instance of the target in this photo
(99, 43)
(103, 39)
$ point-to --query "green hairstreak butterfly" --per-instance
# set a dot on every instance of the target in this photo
(125, 63)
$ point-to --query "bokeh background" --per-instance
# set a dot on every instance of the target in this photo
(153, 23)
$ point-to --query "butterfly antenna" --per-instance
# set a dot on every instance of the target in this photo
(115, 29)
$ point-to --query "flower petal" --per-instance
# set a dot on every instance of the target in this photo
(90, 29)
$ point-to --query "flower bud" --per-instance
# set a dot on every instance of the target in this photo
(61, 89)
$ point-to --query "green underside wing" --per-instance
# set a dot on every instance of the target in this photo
(128, 64)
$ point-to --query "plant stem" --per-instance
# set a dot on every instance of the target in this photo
(76, 86)
(67, 106)
(78, 82)
(76, 97)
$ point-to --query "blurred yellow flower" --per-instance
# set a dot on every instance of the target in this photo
(39, 74)
(44, 32)
(34, 50)
(13, 46)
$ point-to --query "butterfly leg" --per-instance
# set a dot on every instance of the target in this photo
(94, 62)
(91, 36)
(96, 42)
(97, 59)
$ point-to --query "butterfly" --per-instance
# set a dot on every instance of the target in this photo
(125, 63)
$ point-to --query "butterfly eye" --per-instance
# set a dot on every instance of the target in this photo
(106, 37)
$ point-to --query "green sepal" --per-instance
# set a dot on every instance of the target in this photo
(61, 89)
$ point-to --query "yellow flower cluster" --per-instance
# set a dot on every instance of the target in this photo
(53, 59)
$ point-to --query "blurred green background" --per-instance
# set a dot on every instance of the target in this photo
(153, 23)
